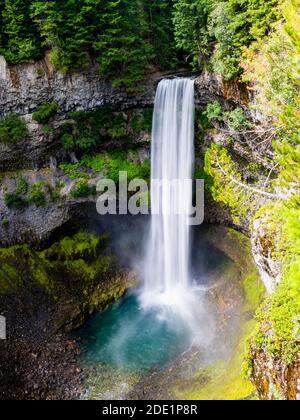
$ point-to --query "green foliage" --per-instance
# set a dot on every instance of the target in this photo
(254, 291)
(81, 245)
(118, 128)
(200, 173)
(11, 269)
(202, 123)
(125, 36)
(226, 56)
(75, 260)
(273, 65)
(228, 26)
(121, 45)
(22, 185)
(26, 194)
(236, 24)
(36, 195)
(14, 201)
(67, 28)
(214, 111)
(117, 162)
(191, 33)
(142, 121)
(19, 38)
(108, 165)
(161, 32)
(12, 129)
(128, 37)
(54, 196)
(83, 189)
(45, 112)
(86, 130)
(226, 186)
(236, 119)
(74, 171)
(278, 329)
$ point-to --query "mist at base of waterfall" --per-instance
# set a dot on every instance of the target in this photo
(130, 337)
(135, 334)
(181, 306)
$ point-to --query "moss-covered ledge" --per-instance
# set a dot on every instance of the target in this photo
(274, 349)
(77, 276)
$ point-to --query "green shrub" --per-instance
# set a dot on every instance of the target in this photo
(226, 179)
(85, 130)
(118, 126)
(45, 112)
(74, 171)
(202, 123)
(142, 121)
(214, 111)
(54, 196)
(12, 129)
(237, 120)
(79, 136)
(278, 328)
(83, 189)
(14, 201)
(117, 162)
(278, 325)
(67, 62)
(22, 186)
(36, 195)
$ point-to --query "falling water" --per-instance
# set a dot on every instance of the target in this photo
(169, 316)
(167, 279)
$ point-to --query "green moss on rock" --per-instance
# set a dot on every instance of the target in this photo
(226, 183)
(276, 340)
(77, 274)
(12, 268)
(12, 129)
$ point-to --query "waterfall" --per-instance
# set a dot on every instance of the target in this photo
(167, 279)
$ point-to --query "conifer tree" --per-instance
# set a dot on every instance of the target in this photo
(20, 38)
(161, 31)
(122, 51)
(191, 33)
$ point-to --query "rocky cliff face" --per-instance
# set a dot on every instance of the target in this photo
(273, 379)
(269, 268)
(25, 87)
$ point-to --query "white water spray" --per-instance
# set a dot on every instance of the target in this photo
(167, 278)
